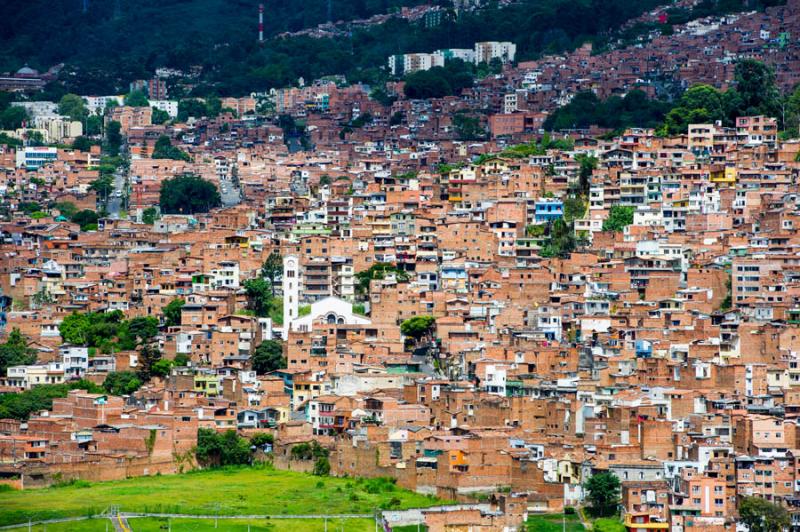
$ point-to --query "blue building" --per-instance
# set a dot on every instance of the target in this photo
(548, 210)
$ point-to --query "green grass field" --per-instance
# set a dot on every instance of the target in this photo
(554, 523)
(237, 491)
(201, 525)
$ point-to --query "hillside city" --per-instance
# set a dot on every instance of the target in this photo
(567, 284)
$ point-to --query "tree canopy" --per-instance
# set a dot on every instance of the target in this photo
(15, 351)
(165, 150)
(760, 515)
(188, 194)
(418, 326)
(268, 357)
(603, 494)
(619, 217)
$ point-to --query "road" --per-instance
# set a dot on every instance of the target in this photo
(230, 194)
(115, 201)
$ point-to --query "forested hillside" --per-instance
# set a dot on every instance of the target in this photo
(115, 41)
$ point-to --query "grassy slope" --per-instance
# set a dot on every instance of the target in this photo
(198, 525)
(230, 492)
(554, 523)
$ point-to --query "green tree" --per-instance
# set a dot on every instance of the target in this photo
(121, 383)
(602, 492)
(760, 515)
(587, 164)
(82, 143)
(136, 99)
(226, 449)
(172, 312)
(259, 296)
(86, 218)
(574, 208)
(113, 138)
(74, 329)
(272, 269)
(149, 215)
(322, 467)
(149, 355)
(20, 406)
(268, 357)
(13, 117)
(165, 150)
(468, 127)
(188, 194)
(378, 270)
(619, 217)
(15, 351)
(72, 105)
(755, 84)
(66, 208)
(143, 328)
(159, 116)
(418, 326)
(161, 368)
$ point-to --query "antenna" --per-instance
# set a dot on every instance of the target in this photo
(261, 23)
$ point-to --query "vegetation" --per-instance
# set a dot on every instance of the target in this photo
(378, 271)
(188, 194)
(418, 326)
(560, 239)
(121, 383)
(554, 523)
(15, 351)
(268, 357)
(222, 449)
(586, 109)
(149, 215)
(259, 296)
(438, 82)
(172, 312)
(272, 269)
(21, 405)
(104, 51)
(227, 491)
(760, 515)
(86, 219)
(602, 492)
(165, 150)
(619, 217)
(107, 331)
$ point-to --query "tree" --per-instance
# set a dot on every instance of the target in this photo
(322, 467)
(618, 218)
(587, 165)
(603, 494)
(426, 84)
(574, 208)
(215, 450)
(418, 326)
(165, 150)
(172, 312)
(188, 194)
(378, 270)
(87, 219)
(121, 383)
(755, 84)
(159, 116)
(20, 406)
(143, 329)
(15, 351)
(149, 215)
(82, 144)
(74, 329)
(113, 137)
(268, 357)
(272, 269)
(13, 117)
(149, 355)
(760, 515)
(136, 99)
(259, 296)
(161, 368)
(72, 105)
(468, 127)
(66, 208)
